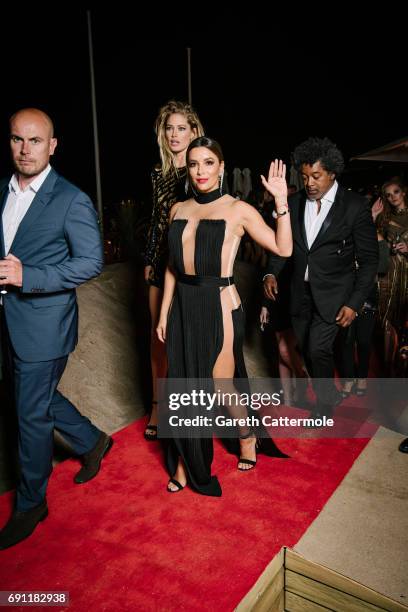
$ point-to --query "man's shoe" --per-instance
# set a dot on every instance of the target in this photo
(403, 447)
(91, 462)
(21, 525)
(319, 412)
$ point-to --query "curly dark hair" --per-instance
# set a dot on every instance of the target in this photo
(319, 149)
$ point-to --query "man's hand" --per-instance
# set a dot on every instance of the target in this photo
(270, 285)
(11, 271)
(345, 316)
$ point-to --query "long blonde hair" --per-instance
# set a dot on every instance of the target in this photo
(172, 107)
(385, 216)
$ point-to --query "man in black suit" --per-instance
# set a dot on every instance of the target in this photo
(332, 229)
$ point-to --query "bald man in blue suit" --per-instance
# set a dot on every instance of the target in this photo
(49, 244)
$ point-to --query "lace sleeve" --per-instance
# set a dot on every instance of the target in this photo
(152, 234)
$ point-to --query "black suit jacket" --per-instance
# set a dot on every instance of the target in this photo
(347, 234)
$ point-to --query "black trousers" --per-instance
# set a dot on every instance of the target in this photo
(358, 335)
(316, 339)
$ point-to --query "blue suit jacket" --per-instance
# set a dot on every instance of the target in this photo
(60, 247)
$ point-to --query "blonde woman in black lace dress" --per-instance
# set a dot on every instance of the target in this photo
(177, 124)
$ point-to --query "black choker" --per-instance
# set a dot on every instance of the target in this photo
(206, 198)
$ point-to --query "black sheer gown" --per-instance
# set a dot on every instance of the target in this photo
(205, 324)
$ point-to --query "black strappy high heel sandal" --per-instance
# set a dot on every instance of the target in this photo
(345, 394)
(150, 433)
(249, 462)
(177, 484)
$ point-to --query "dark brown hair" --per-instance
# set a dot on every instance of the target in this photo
(208, 143)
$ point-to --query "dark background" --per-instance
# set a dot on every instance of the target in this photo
(259, 92)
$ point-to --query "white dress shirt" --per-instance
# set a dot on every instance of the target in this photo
(314, 219)
(17, 205)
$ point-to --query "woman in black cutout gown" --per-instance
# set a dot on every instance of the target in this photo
(199, 296)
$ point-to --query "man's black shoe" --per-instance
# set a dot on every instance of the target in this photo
(21, 525)
(318, 413)
(91, 462)
(403, 447)
(321, 410)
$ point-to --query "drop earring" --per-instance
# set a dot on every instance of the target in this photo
(221, 181)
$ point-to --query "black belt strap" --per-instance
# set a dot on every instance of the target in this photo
(206, 281)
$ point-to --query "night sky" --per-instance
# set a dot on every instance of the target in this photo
(258, 95)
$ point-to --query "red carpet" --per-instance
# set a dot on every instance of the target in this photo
(121, 542)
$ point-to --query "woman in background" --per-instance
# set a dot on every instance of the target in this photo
(356, 340)
(276, 311)
(391, 215)
(177, 124)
